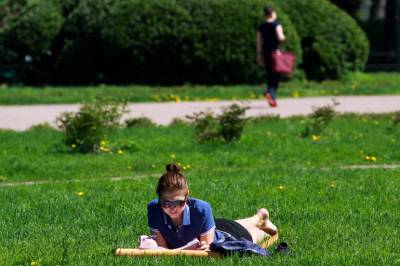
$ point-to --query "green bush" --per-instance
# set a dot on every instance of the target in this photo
(165, 41)
(332, 43)
(162, 42)
(149, 39)
(139, 122)
(206, 126)
(81, 51)
(27, 32)
(316, 123)
(88, 128)
(227, 126)
(396, 118)
(232, 122)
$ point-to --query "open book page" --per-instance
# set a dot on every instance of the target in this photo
(146, 242)
(192, 245)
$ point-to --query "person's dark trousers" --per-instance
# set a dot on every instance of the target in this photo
(273, 80)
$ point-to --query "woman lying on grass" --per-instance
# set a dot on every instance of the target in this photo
(175, 219)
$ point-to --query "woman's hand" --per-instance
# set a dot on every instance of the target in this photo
(204, 246)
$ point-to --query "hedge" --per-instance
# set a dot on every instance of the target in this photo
(170, 41)
(165, 41)
(332, 43)
(27, 31)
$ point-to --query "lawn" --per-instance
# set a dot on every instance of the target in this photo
(353, 84)
(327, 212)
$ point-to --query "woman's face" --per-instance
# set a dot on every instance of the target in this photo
(173, 203)
(274, 15)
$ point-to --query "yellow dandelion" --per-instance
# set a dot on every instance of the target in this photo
(153, 166)
(188, 166)
(333, 184)
(177, 99)
(373, 158)
(212, 99)
(103, 143)
(34, 263)
(296, 94)
(80, 193)
(104, 149)
(173, 156)
(367, 158)
(120, 152)
(269, 133)
(129, 167)
(315, 138)
(281, 187)
(73, 146)
(184, 167)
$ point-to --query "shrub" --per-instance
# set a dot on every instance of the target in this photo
(179, 122)
(81, 46)
(316, 123)
(85, 130)
(232, 122)
(227, 126)
(42, 126)
(396, 119)
(139, 122)
(206, 126)
(27, 32)
(162, 42)
(331, 41)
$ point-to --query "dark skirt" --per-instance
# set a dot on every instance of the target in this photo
(233, 228)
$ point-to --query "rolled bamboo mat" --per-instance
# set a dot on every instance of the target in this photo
(133, 252)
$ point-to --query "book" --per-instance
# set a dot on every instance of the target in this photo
(146, 242)
(192, 245)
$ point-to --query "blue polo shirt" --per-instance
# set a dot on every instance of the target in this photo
(197, 220)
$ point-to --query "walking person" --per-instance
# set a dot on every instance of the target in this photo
(269, 36)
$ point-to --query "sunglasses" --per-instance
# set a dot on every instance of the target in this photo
(172, 203)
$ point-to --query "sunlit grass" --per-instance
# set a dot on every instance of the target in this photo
(327, 213)
(353, 84)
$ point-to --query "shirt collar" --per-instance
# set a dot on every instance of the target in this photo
(186, 217)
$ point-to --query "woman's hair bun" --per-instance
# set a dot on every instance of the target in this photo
(173, 168)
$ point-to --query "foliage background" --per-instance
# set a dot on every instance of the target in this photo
(168, 41)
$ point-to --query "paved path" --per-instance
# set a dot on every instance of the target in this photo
(24, 116)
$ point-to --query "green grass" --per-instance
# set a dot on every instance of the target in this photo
(354, 84)
(327, 214)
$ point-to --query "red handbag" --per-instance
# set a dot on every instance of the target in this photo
(283, 62)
